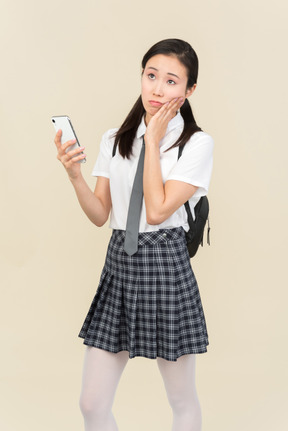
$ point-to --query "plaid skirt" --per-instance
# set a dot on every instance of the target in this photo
(149, 303)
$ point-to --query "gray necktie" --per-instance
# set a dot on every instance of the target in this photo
(135, 205)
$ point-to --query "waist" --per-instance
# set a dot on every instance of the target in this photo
(153, 237)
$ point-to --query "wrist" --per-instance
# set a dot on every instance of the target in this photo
(75, 178)
(151, 142)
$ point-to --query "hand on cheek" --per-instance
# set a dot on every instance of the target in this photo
(157, 126)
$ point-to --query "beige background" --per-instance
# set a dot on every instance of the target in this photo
(83, 59)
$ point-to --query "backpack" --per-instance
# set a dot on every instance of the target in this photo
(194, 236)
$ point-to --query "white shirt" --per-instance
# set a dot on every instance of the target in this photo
(194, 167)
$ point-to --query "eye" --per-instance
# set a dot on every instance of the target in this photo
(171, 82)
(151, 76)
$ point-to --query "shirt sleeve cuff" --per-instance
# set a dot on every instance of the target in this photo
(189, 181)
(100, 174)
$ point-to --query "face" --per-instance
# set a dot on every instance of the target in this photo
(164, 78)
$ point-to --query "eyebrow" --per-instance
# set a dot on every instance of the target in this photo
(169, 73)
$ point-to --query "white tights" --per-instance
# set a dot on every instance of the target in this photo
(179, 381)
(101, 375)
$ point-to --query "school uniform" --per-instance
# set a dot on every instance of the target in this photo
(149, 303)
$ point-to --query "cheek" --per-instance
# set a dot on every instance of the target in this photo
(145, 94)
(145, 83)
(177, 91)
(143, 88)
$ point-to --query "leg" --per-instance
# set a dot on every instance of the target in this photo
(101, 375)
(179, 381)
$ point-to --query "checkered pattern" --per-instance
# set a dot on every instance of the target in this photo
(148, 303)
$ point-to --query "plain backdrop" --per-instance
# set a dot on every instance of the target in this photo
(83, 59)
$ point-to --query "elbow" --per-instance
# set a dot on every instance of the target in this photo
(99, 222)
(154, 218)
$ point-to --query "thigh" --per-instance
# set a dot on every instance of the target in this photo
(101, 374)
(179, 376)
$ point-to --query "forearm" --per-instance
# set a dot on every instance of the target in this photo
(154, 192)
(92, 205)
(161, 200)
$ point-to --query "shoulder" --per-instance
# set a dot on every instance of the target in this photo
(107, 140)
(198, 151)
(199, 138)
(109, 135)
(199, 142)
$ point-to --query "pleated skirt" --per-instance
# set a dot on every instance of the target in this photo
(149, 303)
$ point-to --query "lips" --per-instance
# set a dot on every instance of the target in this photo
(155, 103)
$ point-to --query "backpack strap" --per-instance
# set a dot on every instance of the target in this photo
(191, 223)
(187, 206)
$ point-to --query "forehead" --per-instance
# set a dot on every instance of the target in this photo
(167, 64)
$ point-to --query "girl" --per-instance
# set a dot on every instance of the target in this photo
(147, 303)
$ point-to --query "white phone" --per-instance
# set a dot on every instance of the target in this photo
(63, 122)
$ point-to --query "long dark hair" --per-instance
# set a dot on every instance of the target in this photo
(187, 56)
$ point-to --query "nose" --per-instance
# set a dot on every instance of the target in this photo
(158, 89)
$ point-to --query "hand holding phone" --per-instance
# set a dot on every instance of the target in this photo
(63, 122)
(69, 157)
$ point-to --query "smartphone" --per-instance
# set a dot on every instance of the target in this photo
(63, 122)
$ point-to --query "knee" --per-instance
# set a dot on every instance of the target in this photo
(178, 403)
(182, 403)
(85, 404)
(92, 406)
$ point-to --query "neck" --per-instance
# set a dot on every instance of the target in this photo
(147, 119)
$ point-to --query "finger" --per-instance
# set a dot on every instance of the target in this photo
(63, 149)
(68, 162)
(174, 105)
(180, 102)
(57, 139)
(169, 110)
(78, 158)
(162, 111)
(66, 157)
(68, 144)
(75, 152)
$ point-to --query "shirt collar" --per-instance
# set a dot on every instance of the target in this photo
(176, 121)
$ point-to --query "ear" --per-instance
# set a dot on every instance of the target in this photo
(190, 90)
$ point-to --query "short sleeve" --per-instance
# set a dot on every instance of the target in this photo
(102, 165)
(195, 164)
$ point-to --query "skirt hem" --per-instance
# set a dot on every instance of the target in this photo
(145, 355)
